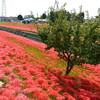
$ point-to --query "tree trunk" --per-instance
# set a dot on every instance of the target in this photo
(69, 66)
(68, 69)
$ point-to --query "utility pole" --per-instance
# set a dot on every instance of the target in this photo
(3, 12)
(3, 8)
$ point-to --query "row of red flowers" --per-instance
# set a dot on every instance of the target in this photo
(26, 27)
(24, 77)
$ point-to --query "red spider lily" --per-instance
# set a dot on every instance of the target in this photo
(24, 77)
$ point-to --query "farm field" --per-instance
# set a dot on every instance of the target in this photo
(29, 72)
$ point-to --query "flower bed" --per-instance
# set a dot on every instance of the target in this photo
(29, 35)
(14, 25)
(28, 72)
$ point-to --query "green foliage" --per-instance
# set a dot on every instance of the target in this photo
(91, 43)
(20, 17)
(43, 16)
(43, 32)
(53, 15)
(75, 41)
(80, 17)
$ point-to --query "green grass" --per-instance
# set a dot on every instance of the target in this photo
(12, 23)
(11, 56)
(20, 77)
(14, 71)
(7, 73)
(4, 81)
(30, 95)
(7, 64)
(37, 53)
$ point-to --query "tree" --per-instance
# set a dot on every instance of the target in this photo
(75, 42)
(99, 13)
(68, 14)
(80, 16)
(52, 16)
(43, 16)
(87, 14)
(20, 17)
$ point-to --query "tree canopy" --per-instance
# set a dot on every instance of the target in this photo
(75, 41)
(20, 17)
(43, 16)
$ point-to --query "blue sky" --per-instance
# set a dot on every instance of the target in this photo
(15, 7)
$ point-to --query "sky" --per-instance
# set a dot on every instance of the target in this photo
(38, 7)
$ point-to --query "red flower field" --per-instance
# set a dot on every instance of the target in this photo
(29, 72)
(19, 26)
